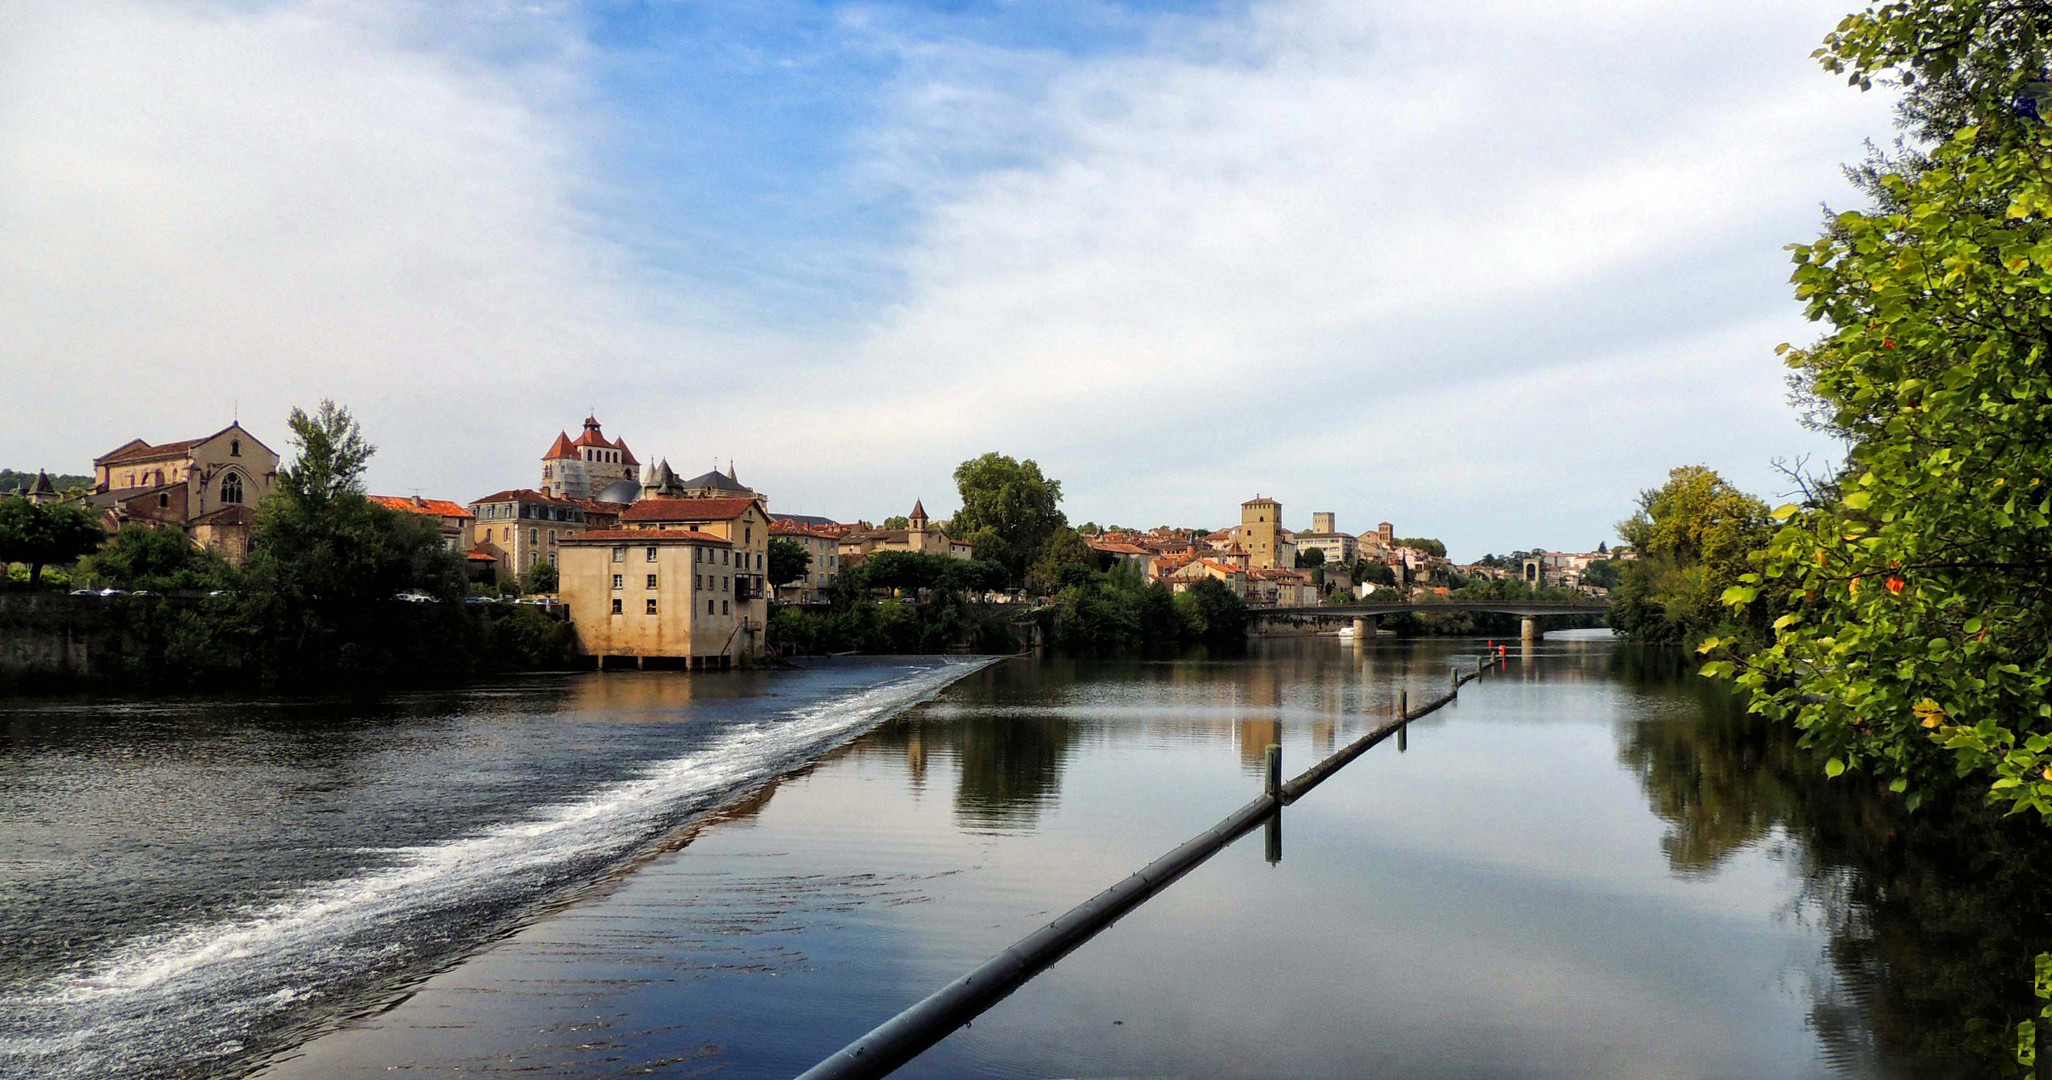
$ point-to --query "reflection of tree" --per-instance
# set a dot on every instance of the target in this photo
(1011, 766)
(1931, 918)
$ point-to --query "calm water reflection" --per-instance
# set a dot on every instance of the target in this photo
(1591, 866)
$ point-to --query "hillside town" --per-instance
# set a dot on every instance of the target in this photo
(649, 565)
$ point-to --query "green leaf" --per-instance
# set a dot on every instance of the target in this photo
(1834, 767)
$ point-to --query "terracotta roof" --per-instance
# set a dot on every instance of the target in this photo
(918, 508)
(1227, 567)
(688, 509)
(523, 495)
(561, 448)
(144, 452)
(787, 527)
(1117, 547)
(480, 556)
(645, 536)
(138, 450)
(416, 505)
(626, 455)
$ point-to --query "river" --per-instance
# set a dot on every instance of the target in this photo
(1591, 865)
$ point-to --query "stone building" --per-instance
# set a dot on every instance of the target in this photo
(1260, 534)
(648, 597)
(743, 565)
(207, 487)
(1340, 549)
(920, 535)
(587, 466)
(523, 527)
(821, 539)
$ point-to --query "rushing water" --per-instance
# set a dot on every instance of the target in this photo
(186, 886)
(1591, 865)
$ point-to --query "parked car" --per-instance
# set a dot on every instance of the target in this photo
(416, 598)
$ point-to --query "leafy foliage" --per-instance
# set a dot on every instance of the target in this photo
(1695, 535)
(12, 481)
(1009, 510)
(41, 534)
(143, 557)
(1425, 544)
(542, 577)
(1064, 559)
(788, 560)
(1310, 557)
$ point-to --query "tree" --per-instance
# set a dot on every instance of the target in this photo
(1695, 535)
(1009, 510)
(159, 559)
(542, 577)
(1914, 630)
(898, 522)
(1373, 572)
(788, 560)
(1060, 559)
(45, 534)
(323, 557)
(1310, 557)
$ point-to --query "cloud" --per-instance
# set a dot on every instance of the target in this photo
(1484, 270)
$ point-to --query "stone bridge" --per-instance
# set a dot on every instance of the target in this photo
(1365, 616)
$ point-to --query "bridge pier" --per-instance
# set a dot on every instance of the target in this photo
(1365, 627)
(1530, 630)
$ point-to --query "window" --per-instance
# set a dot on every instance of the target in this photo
(651, 554)
(723, 556)
(552, 536)
(696, 583)
(697, 554)
(235, 448)
(708, 607)
(163, 500)
(725, 609)
(534, 536)
(726, 583)
(617, 582)
(651, 582)
(748, 535)
(619, 553)
(651, 605)
(616, 605)
(552, 558)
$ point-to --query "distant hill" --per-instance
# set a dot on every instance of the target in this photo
(11, 481)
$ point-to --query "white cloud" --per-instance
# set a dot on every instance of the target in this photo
(1484, 270)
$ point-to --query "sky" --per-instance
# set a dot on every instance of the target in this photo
(1483, 270)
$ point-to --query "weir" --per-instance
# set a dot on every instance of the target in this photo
(905, 1036)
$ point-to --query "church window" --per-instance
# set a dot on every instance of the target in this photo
(231, 488)
(235, 448)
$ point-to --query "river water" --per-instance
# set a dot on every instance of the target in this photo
(1591, 865)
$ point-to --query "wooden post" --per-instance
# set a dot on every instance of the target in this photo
(1272, 837)
(1273, 786)
(1403, 738)
(1403, 704)
(1456, 674)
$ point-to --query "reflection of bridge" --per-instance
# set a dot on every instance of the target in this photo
(1365, 615)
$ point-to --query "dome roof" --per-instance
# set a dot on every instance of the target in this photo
(619, 491)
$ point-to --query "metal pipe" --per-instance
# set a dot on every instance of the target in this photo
(904, 1036)
(908, 1034)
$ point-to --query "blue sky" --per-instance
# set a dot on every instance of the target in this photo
(1482, 270)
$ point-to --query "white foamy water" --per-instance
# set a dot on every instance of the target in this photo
(189, 999)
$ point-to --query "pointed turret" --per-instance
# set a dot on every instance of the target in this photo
(560, 448)
(918, 518)
(626, 455)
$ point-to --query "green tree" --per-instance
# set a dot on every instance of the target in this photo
(159, 559)
(1060, 559)
(788, 560)
(1695, 536)
(46, 534)
(1009, 510)
(324, 558)
(898, 522)
(542, 577)
(1915, 640)
(1310, 557)
(1425, 544)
